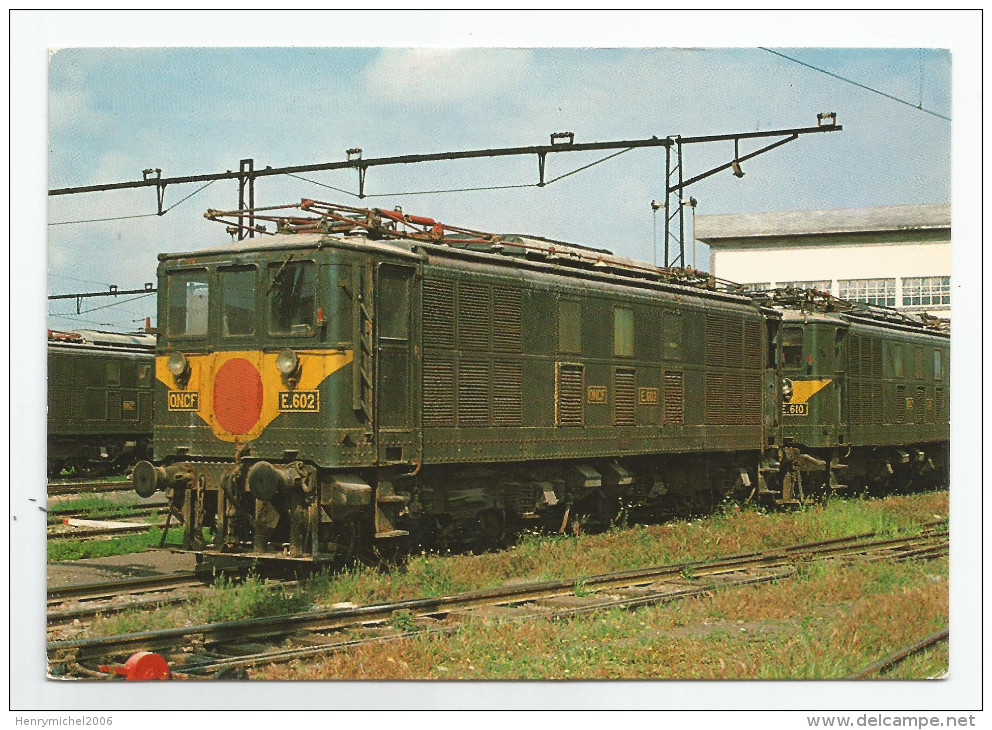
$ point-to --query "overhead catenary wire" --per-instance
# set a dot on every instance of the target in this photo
(918, 107)
(138, 215)
(115, 304)
(496, 187)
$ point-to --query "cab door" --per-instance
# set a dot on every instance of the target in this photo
(397, 385)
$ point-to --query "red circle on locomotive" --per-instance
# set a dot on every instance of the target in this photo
(237, 396)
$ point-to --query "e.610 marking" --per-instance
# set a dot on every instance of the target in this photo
(299, 401)
(795, 409)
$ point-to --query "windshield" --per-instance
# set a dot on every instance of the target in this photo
(188, 302)
(292, 297)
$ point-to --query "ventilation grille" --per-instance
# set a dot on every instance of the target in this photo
(674, 397)
(876, 358)
(921, 404)
(752, 399)
(863, 403)
(877, 401)
(113, 407)
(569, 401)
(473, 393)
(900, 404)
(473, 317)
(715, 411)
(854, 389)
(439, 313)
(508, 402)
(735, 399)
(624, 397)
(752, 344)
(507, 323)
(855, 356)
(716, 353)
(938, 405)
(439, 391)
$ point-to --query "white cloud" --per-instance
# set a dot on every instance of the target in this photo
(430, 76)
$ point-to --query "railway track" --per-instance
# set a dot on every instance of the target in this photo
(897, 657)
(216, 645)
(85, 533)
(84, 601)
(90, 487)
(55, 518)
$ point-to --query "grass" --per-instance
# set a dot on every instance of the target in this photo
(94, 507)
(826, 624)
(535, 557)
(76, 549)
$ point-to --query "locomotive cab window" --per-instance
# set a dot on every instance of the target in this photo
(188, 299)
(936, 365)
(292, 295)
(792, 347)
(238, 295)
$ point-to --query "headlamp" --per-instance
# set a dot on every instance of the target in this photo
(287, 362)
(178, 364)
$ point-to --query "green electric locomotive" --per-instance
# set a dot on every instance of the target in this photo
(361, 375)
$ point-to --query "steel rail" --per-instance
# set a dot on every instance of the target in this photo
(109, 589)
(890, 660)
(55, 518)
(86, 533)
(94, 487)
(340, 618)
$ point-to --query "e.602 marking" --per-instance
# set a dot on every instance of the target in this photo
(299, 401)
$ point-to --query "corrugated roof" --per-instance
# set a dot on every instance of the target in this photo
(811, 222)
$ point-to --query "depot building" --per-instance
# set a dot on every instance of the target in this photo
(896, 256)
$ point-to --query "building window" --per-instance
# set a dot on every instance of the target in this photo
(926, 291)
(870, 291)
(760, 286)
(820, 285)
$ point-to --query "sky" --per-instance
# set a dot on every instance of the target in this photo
(116, 111)
(133, 90)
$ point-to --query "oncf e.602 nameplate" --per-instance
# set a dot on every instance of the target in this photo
(299, 401)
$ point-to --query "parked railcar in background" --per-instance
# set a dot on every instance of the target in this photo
(99, 401)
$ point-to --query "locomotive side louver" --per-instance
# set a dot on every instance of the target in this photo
(507, 320)
(624, 397)
(439, 390)
(508, 401)
(474, 307)
(674, 398)
(569, 402)
(473, 393)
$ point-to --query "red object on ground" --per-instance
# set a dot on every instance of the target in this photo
(144, 665)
